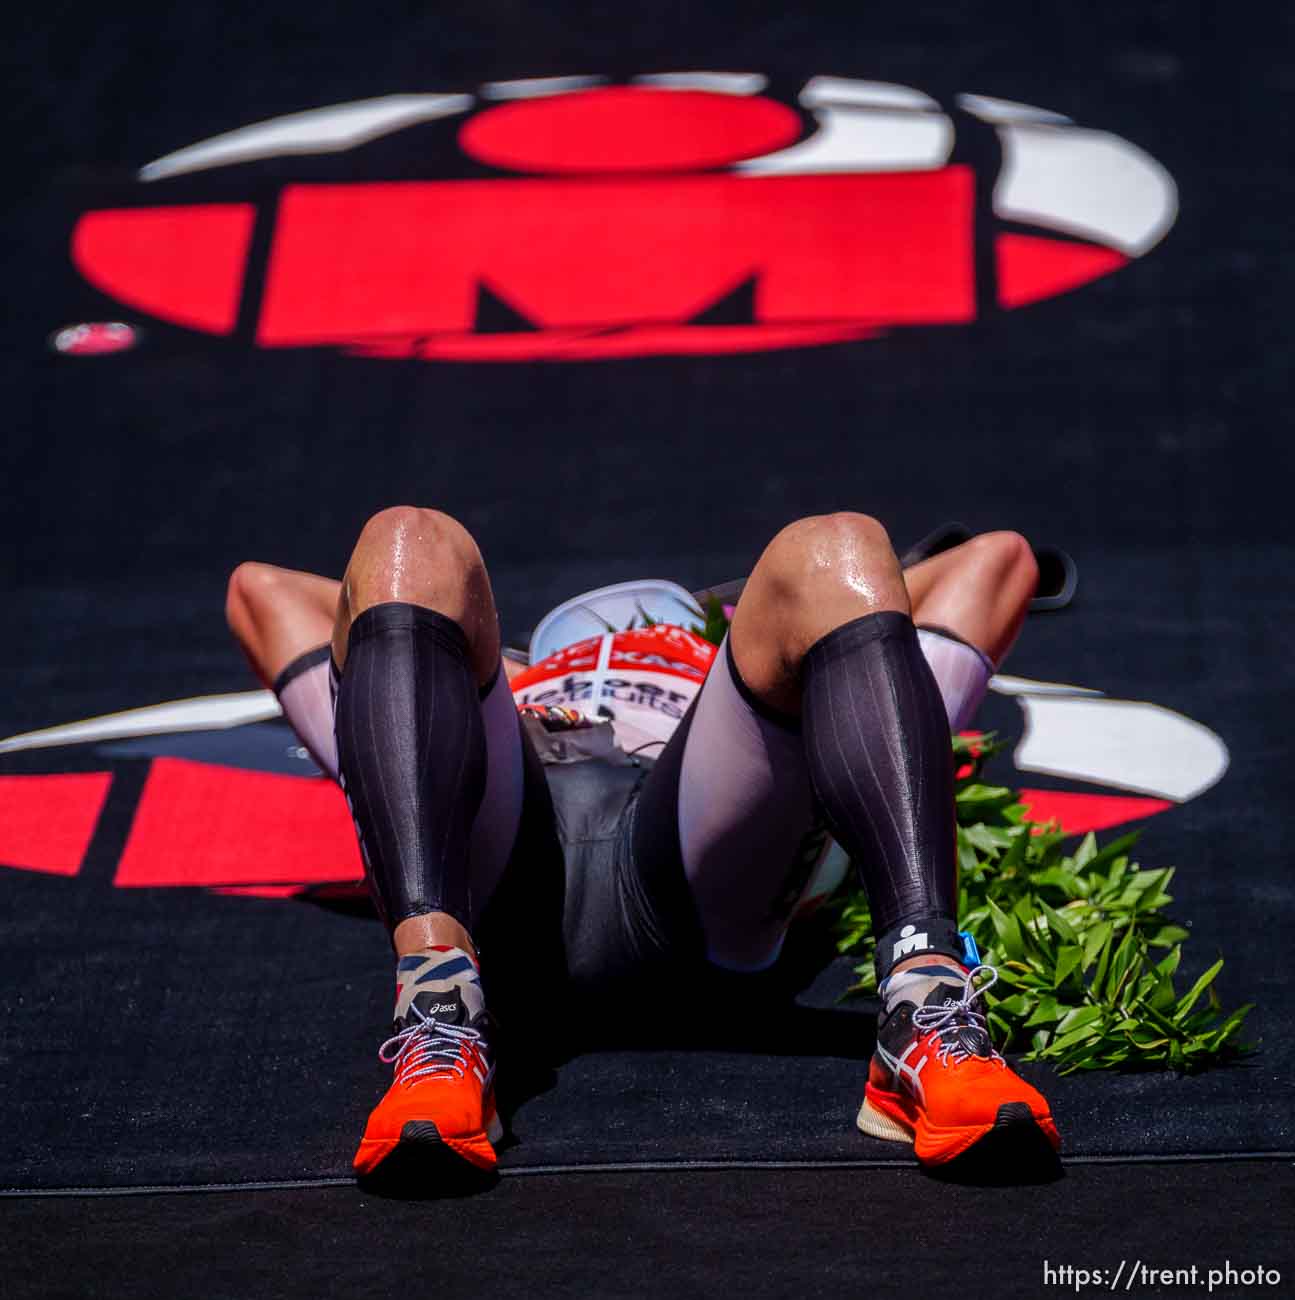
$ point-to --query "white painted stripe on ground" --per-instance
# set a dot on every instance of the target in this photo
(1129, 744)
(203, 713)
(318, 130)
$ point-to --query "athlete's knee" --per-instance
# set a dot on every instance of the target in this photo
(843, 551)
(419, 533)
(1003, 559)
(252, 587)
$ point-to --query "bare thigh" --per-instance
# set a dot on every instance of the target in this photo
(734, 786)
(277, 615)
(980, 590)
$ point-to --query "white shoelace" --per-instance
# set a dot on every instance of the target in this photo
(953, 1015)
(427, 1048)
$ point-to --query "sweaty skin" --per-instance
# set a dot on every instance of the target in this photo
(421, 557)
(816, 575)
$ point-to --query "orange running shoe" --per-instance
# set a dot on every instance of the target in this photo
(442, 1099)
(935, 1079)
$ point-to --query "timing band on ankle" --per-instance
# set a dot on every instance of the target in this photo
(933, 935)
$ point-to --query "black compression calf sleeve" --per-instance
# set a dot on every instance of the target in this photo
(411, 746)
(877, 744)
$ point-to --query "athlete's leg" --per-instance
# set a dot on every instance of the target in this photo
(747, 823)
(822, 641)
(416, 644)
(431, 759)
(277, 615)
(980, 591)
(969, 604)
(283, 619)
(824, 702)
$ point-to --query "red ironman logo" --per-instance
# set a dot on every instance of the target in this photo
(632, 221)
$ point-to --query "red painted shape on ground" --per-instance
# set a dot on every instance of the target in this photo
(593, 345)
(260, 891)
(845, 252)
(1078, 812)
(182, 264)
(206, 824)
(1031, 268)
(46, 821)
(629, 128)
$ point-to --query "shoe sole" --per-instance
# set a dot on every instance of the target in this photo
(421, 1140)
(1013, 1122)
(425, 1131)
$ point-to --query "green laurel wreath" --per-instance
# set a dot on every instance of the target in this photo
(1086, 955)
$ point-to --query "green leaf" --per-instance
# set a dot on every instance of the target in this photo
(1017, 849)
(973, 795)
(1122, 961)
(1229, 1027)
(1045, 1013)
(1115, 849)
(1095, 940)
(1077, 1035)
(1060, 878)
(968, 862)
(1167, 935)
(988, 839)
(1080, 1016)
(1008, 931)
(1068, 961)
(1169, 963)
(1103, 956)
(1058, 924)
(1015, 1006)
(1193, 994)
(1086, 851)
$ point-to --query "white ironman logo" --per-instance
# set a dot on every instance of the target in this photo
(909, 942)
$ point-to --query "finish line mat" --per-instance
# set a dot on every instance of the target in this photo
(623, 323)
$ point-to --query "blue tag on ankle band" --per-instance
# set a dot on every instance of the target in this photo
(970, 953)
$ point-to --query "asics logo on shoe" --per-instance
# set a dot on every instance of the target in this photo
(908, 941)
(440, 1006)
(903, 1073)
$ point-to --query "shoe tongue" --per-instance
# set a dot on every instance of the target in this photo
(445, 1006)
(942, 991)
(968, 1036)
(924, 986)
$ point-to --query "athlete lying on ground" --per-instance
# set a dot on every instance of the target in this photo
(824, 705)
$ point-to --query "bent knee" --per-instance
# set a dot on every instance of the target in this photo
(1005, 556)
(830, 549)
(251, 586)
(419, 530)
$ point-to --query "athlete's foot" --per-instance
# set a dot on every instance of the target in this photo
(441, 1103)
(935, 1079)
